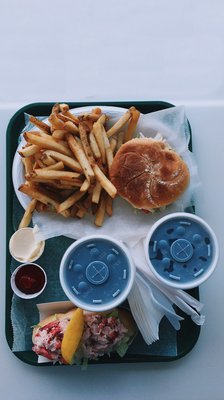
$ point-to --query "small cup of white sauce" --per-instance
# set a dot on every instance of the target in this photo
(24, 247)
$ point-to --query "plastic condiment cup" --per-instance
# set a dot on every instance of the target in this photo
(97, 273)
(182, 250)
(23, 247)
(28, 280)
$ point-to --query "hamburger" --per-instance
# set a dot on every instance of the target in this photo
(86, 335)
(149, 174)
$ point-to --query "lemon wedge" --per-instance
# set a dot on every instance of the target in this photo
(72, 336)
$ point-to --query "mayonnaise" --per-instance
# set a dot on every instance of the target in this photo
(24, 247)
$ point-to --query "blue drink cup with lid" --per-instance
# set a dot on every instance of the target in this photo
(181, 250)
(97, 273)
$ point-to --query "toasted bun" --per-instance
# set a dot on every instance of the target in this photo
(148, 174)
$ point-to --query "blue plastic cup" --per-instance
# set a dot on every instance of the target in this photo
(181, 250)
(97, 273)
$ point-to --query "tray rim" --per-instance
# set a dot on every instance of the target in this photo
(18, 118)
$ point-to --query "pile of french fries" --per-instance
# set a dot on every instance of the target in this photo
(67, 162)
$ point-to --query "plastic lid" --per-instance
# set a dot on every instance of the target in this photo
(181, 250)
(97, 273)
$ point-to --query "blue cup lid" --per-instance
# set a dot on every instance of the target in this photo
(97, 273)
(181, 250)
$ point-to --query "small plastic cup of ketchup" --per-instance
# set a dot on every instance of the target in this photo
(28, 280)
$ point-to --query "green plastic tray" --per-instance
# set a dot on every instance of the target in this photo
(186, 338)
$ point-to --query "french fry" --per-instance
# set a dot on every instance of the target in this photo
(39, 164)
(40, 207)
(64, 118)
(62, 142)
(113, 144)
(94, 116)
(28, 151)
(67, 118)
(100, 214)
(71, 127)
(35, 165)
(109, 154)
(63, 107)
(28, 214)
(71, 117)
(32, 178)
(119, 124)
(96, 193)
(70, 201)
(66, 213)
(49, 174)
(58, 166)
(81, 213)
(94, 146)
(46, 143)
(68, 161)
(28, 165)
(58, 134)
(85, 144)
(37, 155)
(102, 119)
(37, 161)
(62, 122)
(41, 133)
(38, 194)
(120, 140)
(48, 160)
(56, 122)
(97, 130)
(88, 124)
(104, 181)
(109, 205)
(135, 114)
(55, 108)
(40, 124)
(81, 157)
(90, 118)
(97, 111)
(85, 186)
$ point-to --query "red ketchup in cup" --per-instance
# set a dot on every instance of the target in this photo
(28, 280)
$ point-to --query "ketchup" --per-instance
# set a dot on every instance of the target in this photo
(30, 279)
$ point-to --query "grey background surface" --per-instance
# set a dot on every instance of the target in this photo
(122, 50)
